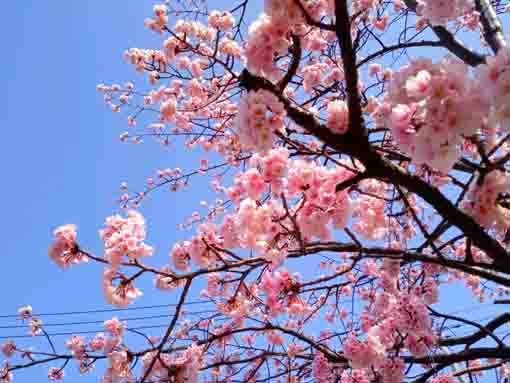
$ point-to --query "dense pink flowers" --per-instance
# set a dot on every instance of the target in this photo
(373, 223)
(114, 326)
(98, 342)
(433, 107)
(253, 222)
(125, 237)
(77, 345)
(266, 38)
(119, 367)
(440, 12)
(221, 20)
(122, 294)
(338, 116)
(487, 201)
(260, 116)
(186, 365)
(443, 379)
(168, 109)
(356, 376)
(496, 79)
(180, 257)
(322, 371)
(64, 249)
(253, 182)
(256, 221)
(363, 354)
(55, 374)
(8, 348)
(392, 370)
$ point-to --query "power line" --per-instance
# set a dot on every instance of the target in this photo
(86, 331)
(499, 331)
(102, 321)
(96, 311)
(78, 332)
(476, 307)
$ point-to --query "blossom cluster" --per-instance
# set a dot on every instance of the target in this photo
(265, 39)
(495, 77)
(221, 20)
(186, 365)
(257, 224)
(488, 202)
(158, 22)
(338, 116)
(430, 108)
(270, 34)
(396, 313)
(261, 114)
(122, 294)
(125, 237)
(64, 250)
(440, 12)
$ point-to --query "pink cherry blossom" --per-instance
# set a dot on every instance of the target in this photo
(64, 250)
(125, 237)
(260, 116)
(55, 374)
(8, 348)
(338, 116)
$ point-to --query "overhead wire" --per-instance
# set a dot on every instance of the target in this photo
(79, 332)
(97, 311)
(460, 326)
(83, 332)
(102, 321)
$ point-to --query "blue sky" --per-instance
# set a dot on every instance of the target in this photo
(61, 158)
(62, 161)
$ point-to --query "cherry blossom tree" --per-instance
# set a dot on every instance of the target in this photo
(360, 138)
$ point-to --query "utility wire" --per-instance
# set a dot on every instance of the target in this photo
(95, 311)
(481, 306)
(102, 321)
(5, 327)
(88, 331)
(78, 332)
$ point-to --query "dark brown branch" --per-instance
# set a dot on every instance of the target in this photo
(170, 328)
(294, 65)
(351, 181)
(382, 252)
(492, 29)
(461, 356)
(392, 48)
(311, 21)
(343, 34)
(356, 145)
(484, 331)
(483, 367)
(451, 43)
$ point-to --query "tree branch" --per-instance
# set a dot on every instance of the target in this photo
(451, 43)
(356, 145)
(343, 34)
(492, 29)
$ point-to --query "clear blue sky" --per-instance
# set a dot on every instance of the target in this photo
(60, 155)
(61, 158)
